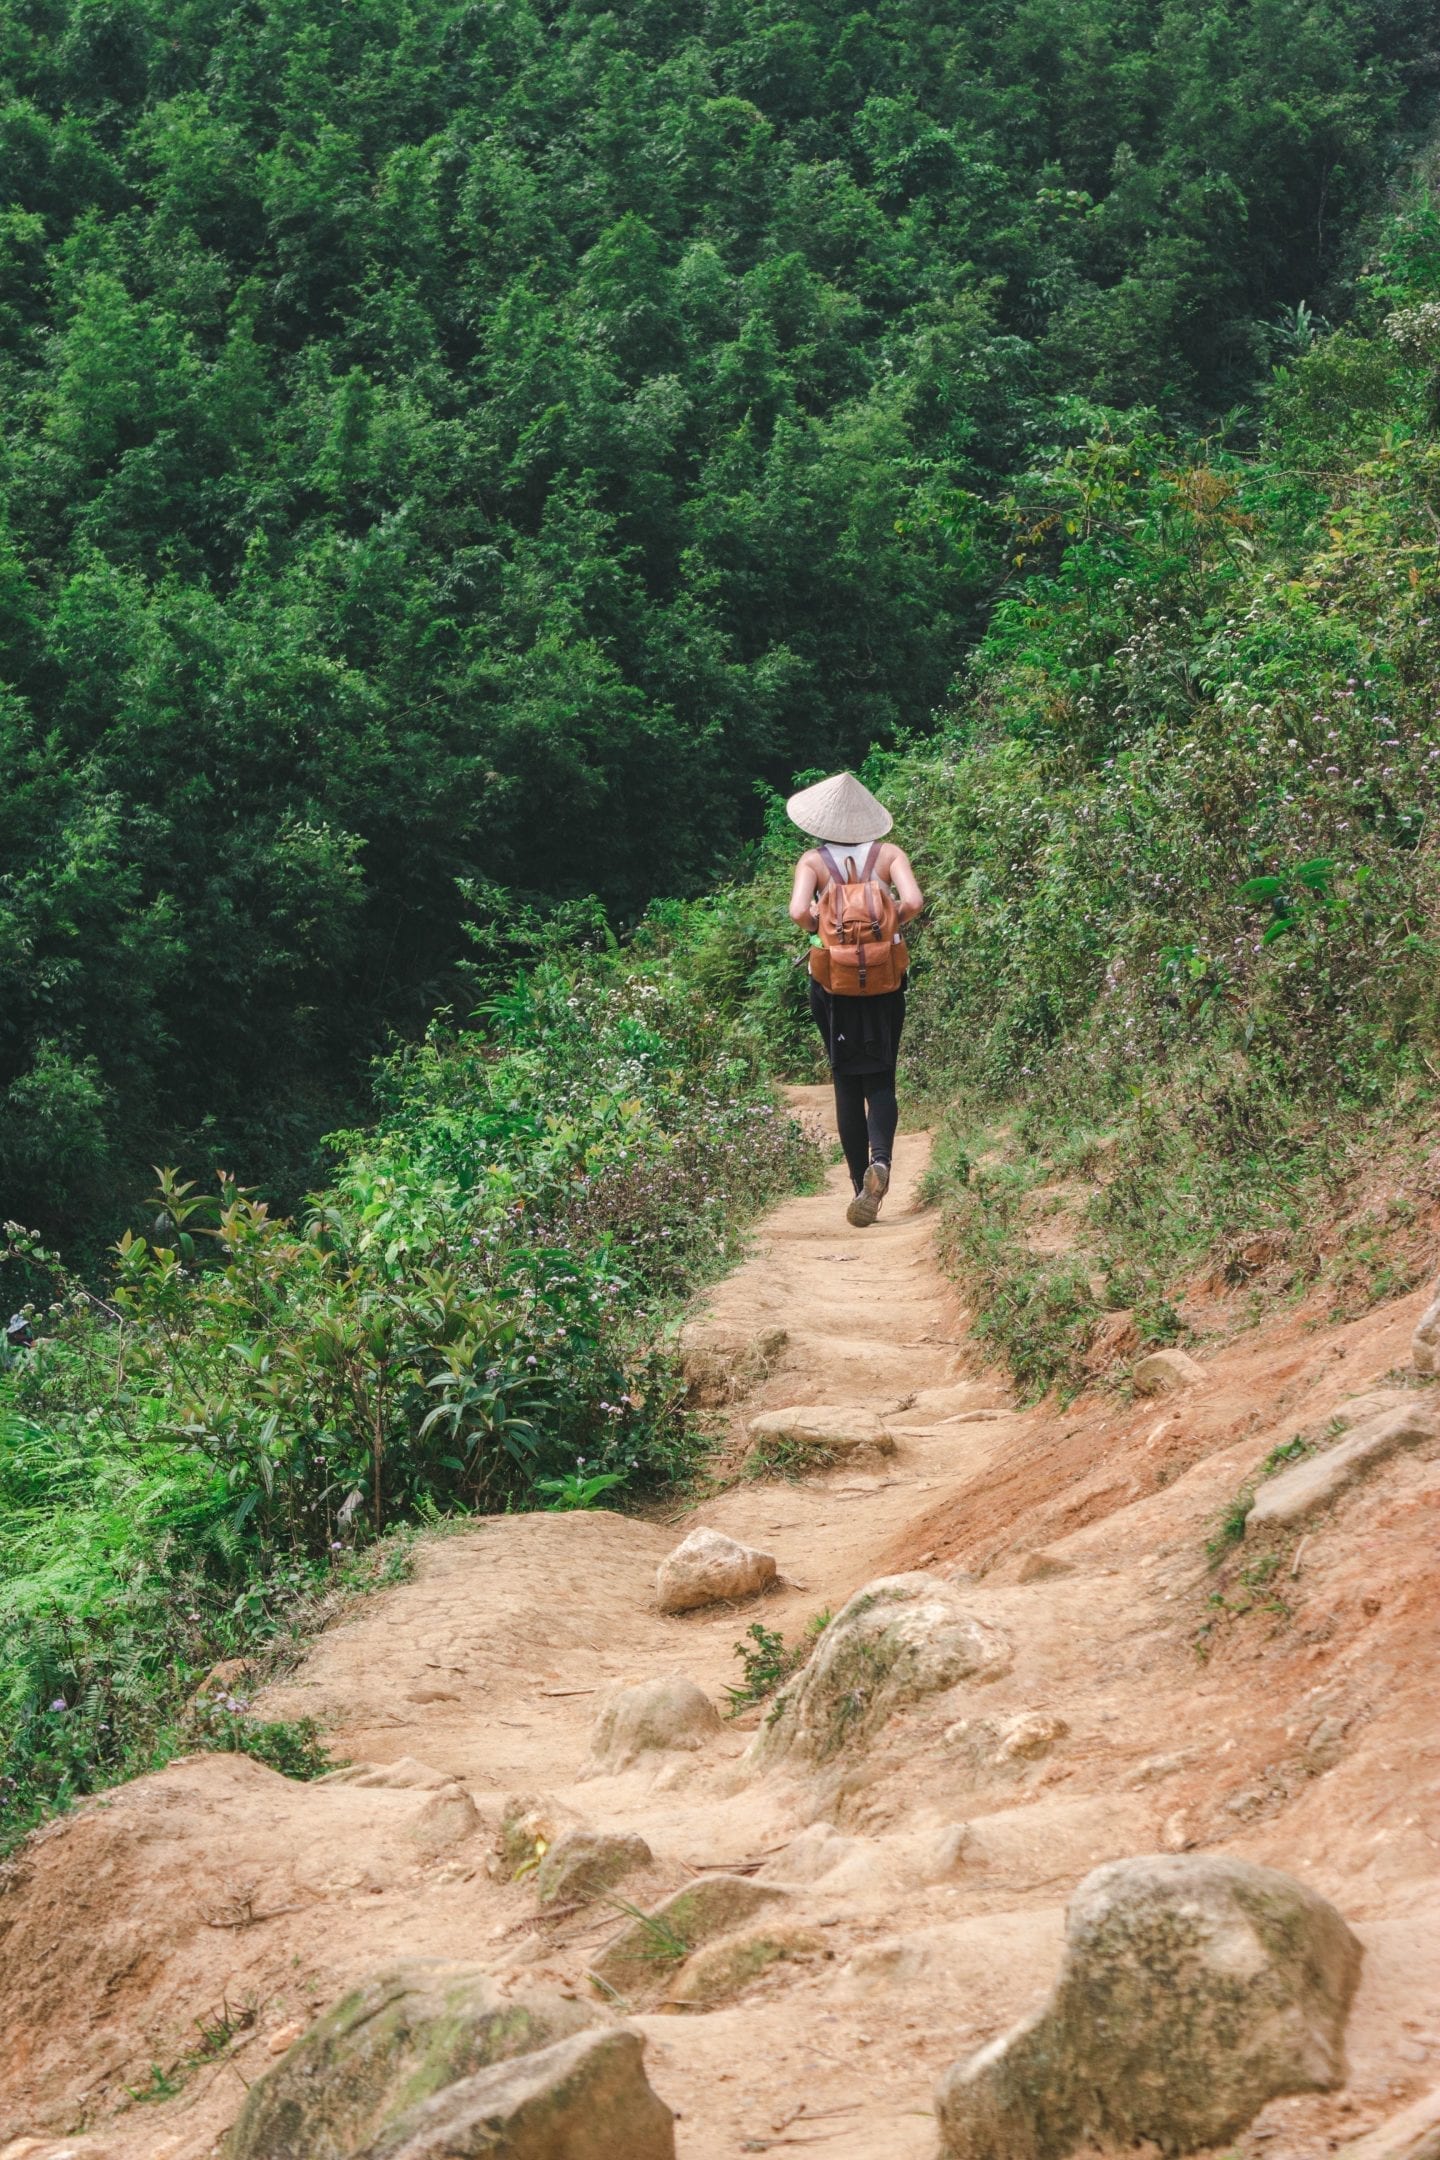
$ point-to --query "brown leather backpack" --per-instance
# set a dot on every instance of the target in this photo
(861, 952)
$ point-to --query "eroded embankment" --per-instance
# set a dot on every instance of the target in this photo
(1278, 1708)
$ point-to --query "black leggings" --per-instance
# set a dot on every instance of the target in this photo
(867, 1114)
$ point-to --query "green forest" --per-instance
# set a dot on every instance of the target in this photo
(461, 467)
(452, 454)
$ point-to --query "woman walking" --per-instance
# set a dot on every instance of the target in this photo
(849, 891)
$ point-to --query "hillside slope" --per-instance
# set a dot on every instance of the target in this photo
(1174, 1699)
(1177, 837)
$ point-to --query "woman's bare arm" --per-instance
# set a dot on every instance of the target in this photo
(903, 878)
(802, 897)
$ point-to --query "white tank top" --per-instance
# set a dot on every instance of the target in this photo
(846, 851)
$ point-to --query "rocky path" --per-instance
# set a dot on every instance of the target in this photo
(920, 1870)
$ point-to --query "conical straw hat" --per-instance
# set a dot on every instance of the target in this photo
(839, 809)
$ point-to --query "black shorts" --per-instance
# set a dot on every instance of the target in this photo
(861, 1035)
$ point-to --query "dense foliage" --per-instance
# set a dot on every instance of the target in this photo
(463, 446)
(1189, 914)
(473, 1316)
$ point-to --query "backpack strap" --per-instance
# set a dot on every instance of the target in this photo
(837, 875)
(871, 859)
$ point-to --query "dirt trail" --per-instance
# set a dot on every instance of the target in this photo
(932, 1871)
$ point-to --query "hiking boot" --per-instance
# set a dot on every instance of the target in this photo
(865, 1206)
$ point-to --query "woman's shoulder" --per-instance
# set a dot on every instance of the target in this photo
(815, 856)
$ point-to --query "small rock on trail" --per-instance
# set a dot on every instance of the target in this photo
(1029, 1735)
(898, 1639)
(843, 1430)
(443, 1820)
(529, 1825)
(399, 2037)
(583, 1864)
(1193, 1989)
(586, 2098)
(1165, 1372)
(647, 1953)
(724, 1969)
(707, 1567)
(670, 1712)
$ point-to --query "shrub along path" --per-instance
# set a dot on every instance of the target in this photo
(170, 1937)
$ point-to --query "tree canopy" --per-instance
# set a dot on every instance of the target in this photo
(450, 453)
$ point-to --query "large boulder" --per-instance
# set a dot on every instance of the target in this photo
(670, 1712)
(707, 1567)
(587, 2098)
(1193, 1989)
(1312, 1484)
(900, 1638)
(383, 2048)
